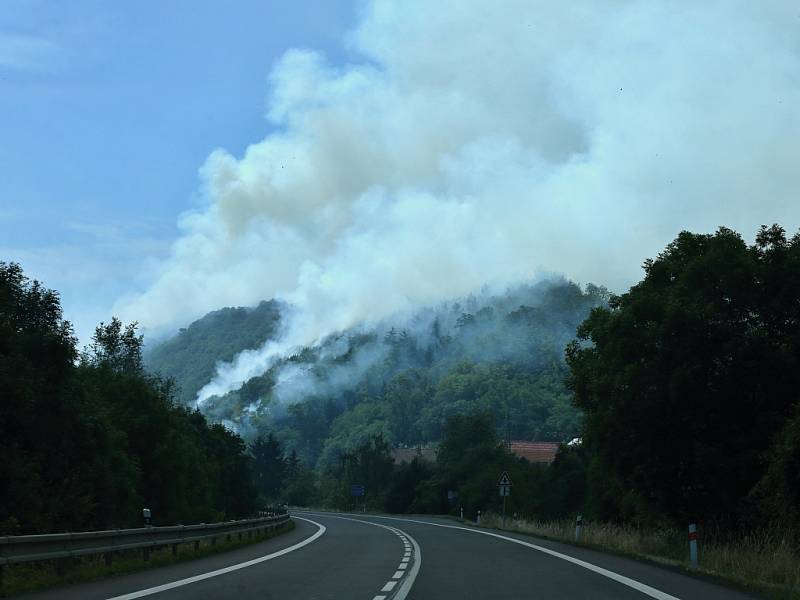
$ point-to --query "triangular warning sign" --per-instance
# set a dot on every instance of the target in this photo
(504, 480)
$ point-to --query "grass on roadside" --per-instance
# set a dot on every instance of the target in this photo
(766, 562)
(27, 577)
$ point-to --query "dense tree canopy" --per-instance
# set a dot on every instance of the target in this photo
(683, 391)
(191, 356)
(688, 385)
(686, 379)
(88, 441)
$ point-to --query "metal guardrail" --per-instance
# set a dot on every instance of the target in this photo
(30, 548)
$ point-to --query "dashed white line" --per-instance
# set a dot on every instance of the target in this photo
(631, 583)
(402, 576)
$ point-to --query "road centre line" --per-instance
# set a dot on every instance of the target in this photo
(223, 571)
(411, 574)
(631, 583)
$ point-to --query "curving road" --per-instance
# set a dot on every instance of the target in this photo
(331, 556)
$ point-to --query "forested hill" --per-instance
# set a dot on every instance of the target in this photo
(190, 356)
(401, 378)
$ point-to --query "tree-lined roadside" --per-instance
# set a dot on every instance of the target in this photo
(688, 388)
(88, 438)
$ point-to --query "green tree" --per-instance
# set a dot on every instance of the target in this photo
(269, 465)
(470, 460)
(86, 445)
(686, 379)
(370, 464)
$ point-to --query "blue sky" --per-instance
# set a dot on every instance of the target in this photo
(108, 109)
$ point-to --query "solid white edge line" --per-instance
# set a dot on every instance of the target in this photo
(411, 575)
(631, 583)
(223, 571)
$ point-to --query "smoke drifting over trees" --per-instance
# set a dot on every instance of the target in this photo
(467, 146)
(404, 376)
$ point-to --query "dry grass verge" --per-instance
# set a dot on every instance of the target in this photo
(765, 562)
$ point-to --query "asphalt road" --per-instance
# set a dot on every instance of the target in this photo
(351, 557)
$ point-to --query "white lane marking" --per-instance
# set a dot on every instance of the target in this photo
(397, 575)
(402, 566)
(236, 567)
(408, 580)
(379, 598)
(389, 586)
(405, 560)
(631, 583)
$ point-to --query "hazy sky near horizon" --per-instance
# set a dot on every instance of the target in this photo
(108, 110)
(163, 159)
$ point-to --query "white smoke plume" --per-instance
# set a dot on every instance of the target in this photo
(476, 143)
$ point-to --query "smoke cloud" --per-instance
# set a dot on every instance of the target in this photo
(476, 144)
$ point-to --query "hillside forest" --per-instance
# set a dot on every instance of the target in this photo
(682, 393)
(679, 398)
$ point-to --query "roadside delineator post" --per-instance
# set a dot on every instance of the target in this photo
(578, 528)
(462, 513)
(478, 520)
(693, 562)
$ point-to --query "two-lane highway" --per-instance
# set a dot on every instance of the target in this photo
(338, 556)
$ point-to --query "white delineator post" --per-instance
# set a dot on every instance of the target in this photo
(578, 527)
(478, 520)
(693, 546)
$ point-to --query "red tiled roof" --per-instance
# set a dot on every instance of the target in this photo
(535, 452)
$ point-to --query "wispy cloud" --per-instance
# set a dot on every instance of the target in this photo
(90, 262)
(29, 53)
(142, 233)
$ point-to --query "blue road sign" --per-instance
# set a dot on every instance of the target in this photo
(356, 489)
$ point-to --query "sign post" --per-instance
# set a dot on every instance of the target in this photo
(357, 490)
(504, 486)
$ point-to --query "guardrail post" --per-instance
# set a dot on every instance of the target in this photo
(196, 545)
(174, 549)
(693, 546)
(107, 558)
(145, 554)
(214, 541)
